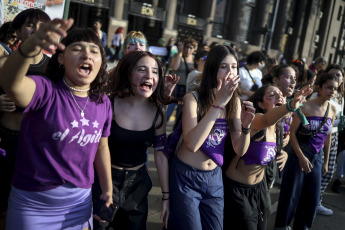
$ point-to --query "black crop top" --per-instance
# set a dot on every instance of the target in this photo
(128, 147)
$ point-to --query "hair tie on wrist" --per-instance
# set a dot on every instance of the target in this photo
(165, 192)
(163, 199)
(245, 131)
(25, 55)
(217, 107)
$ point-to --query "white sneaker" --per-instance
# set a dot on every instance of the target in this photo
(323, 210)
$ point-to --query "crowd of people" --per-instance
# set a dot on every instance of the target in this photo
(75, 136)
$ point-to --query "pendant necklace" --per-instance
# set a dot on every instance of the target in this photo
(81, 110)
(78, 90)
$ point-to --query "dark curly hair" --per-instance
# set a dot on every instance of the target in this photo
(6, 31)
(341, 86)
(209, 81)
(56, 72)
(33, 15)
(120, 79)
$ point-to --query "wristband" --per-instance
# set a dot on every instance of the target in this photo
(300, 114)
(25, 55)
(218, 107)
(245, 131)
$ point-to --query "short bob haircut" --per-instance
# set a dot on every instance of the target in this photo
(6, 31)
(56, 72)
(120, 78)
(32, 15)
(134, 37)
(255, 57)
(209, 81)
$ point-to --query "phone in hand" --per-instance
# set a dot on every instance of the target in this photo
(104, 212)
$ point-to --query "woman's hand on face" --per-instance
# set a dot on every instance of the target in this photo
(247, 113)
(305, 164)
(49, 34)
(226, 88)
(300, 96)
(170, 83)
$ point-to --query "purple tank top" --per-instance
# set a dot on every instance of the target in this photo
(260, 153)
(317, 141)
(213, 146)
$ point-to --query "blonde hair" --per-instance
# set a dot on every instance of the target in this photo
(134, 37)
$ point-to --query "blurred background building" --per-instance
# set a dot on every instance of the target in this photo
(292, 28)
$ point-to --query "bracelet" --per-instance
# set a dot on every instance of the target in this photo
(163, 199)
(27, 56)
(165, 192)
(217, 107)
(246, 131)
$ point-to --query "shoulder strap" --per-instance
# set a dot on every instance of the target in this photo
(156, 117)
(323, 121)
(185, 63)
(261, 133)
(254, 81)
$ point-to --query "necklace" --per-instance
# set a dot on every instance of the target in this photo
(75, 89)
(81, 110)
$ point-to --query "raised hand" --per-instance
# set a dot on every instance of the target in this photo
(170, 83)
(247, 113)
(226, 88)
(300, 96)
(49, 35)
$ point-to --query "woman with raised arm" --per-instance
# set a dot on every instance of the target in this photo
(64, 131)
(300, 187)
(209, 114)
(246, 194)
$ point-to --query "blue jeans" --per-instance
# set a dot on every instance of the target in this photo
(299, 191)
(196, 197)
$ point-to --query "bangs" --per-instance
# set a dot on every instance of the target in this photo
(81, 35)
(137, 39)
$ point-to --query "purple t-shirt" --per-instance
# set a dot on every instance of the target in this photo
(57, 145)
(317, 141)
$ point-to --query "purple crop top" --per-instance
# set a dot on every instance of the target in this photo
(317, 141)
(213, 146)
(260, 153)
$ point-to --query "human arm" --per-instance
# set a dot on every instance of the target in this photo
(176, 60)
(162, 166)
(305, 164)
(13, 80)
(103, 169)
(242, 119)
(327, 146)
(194, 132)
(271, 117)
(170, 83)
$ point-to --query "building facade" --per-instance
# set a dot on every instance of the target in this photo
(290, 28)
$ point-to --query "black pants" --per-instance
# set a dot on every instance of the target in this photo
(130, 192)
(9, 142)
(245, 206)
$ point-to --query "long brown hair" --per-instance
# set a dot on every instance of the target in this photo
(209, 81)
